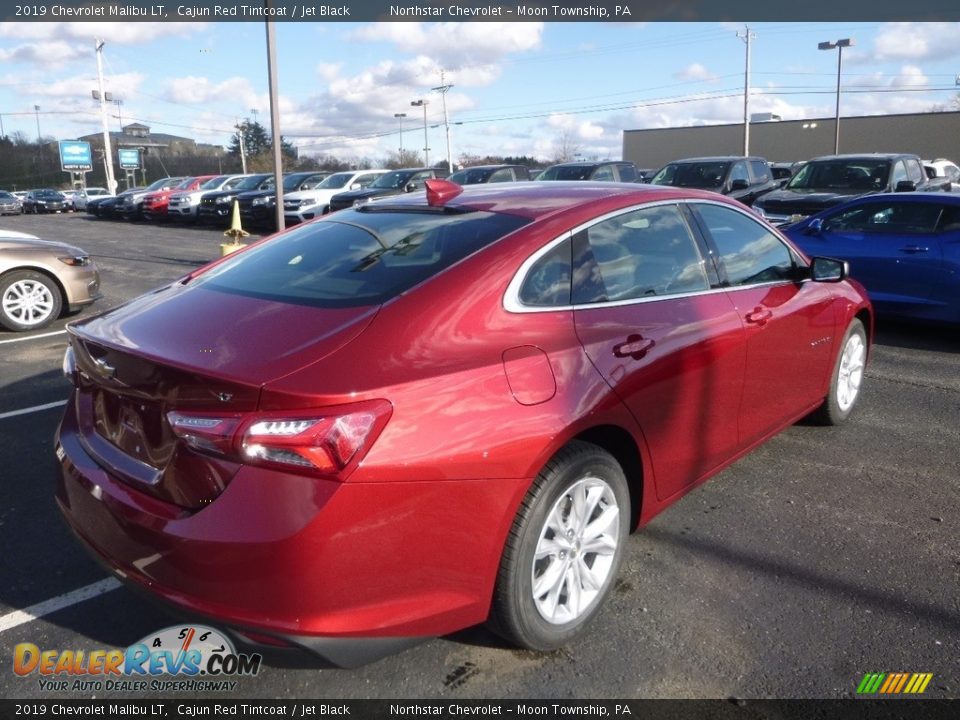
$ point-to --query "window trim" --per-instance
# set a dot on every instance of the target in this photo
(511, 297)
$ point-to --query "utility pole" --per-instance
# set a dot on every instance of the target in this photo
(746, 37)
(426, 143)
(275, 122)
(107, 150)
(118, 102)
(243, 154)
(443, 89)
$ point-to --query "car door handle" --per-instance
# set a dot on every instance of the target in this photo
(759, 316)
(913, 249)
(636, 346)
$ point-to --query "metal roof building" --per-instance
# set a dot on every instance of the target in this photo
(929, 135)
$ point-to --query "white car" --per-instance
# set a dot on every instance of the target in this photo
(183, 205)
(306, 205)
(945, 170)
(80, 197)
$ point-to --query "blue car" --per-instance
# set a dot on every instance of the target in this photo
(904, 248)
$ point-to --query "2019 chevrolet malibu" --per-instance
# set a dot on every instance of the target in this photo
(434, 410)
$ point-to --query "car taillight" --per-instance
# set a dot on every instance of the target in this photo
(323, 442)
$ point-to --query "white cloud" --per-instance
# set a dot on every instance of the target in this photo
(916, 41)
(696, 72)
(45, 54)
(121, 33)
(457, 46)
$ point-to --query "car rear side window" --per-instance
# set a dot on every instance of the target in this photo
(357, 258)
(643, 253)
(749, 252)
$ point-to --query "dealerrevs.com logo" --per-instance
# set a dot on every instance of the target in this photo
(198, 657)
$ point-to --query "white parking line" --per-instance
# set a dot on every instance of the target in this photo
(33, 337)
(35, 408)
(19, 617)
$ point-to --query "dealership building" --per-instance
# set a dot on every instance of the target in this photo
(929, 135)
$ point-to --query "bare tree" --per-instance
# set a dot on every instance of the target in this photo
(566, 146)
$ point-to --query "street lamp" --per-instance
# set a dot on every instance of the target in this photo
(426, 150)
(400, 117)
(839, 45)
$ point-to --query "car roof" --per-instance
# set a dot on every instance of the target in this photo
(536, 200)
(590, 163)
(864, 156)
(717, 158)
(908, 197)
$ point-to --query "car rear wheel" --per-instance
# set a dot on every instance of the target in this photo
(847, 377)
(564, 549)
(28, 300)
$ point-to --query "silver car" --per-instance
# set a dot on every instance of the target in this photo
(40, 279)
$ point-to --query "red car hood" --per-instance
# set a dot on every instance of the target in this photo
(242, 339)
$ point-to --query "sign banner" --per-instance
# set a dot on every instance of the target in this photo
(129, 159)
(75, 156)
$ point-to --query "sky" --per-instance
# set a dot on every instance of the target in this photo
(517, 88)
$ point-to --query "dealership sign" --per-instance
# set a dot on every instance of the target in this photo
(129, 159)
(75, 156)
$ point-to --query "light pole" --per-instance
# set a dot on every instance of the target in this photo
(443, 89)
(426, 149)
(839, 45)
(400, 117)
(36, 109)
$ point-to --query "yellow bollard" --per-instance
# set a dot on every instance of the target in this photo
(235, 233)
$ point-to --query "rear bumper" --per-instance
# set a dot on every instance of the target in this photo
(312, 561)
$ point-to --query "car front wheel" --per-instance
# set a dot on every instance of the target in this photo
(28, 300)
(564, 549)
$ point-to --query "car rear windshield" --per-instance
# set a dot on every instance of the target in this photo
(856, 174)
(393, 180)
(358, 258)
(696, 175)
(566, 172)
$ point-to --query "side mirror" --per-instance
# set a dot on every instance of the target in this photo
(410, 187)
(815, 227)
(905, 186)
(739, 184)
(823, 269)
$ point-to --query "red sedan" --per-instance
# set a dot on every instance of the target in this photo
(156, 204)
(431, 411)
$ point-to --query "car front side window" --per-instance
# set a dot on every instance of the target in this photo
(749, 253)
(644, 253)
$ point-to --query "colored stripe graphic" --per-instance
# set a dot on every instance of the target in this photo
(894, 683)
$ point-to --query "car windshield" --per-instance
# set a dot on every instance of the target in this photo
(48, 194)
(290, 182)
(696, 175)
(848, 174)
(471, 176)
(566, 172)
(335, 181)
(392, 180)
(161, 183)
(6, 196)
(251, 183)
(357, 258)
(214, 183)
(185, 184)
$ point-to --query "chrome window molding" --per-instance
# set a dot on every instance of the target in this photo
(513, 304)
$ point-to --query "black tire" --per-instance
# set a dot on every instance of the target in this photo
(580, 471)
(846, 378)
(29, 300)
